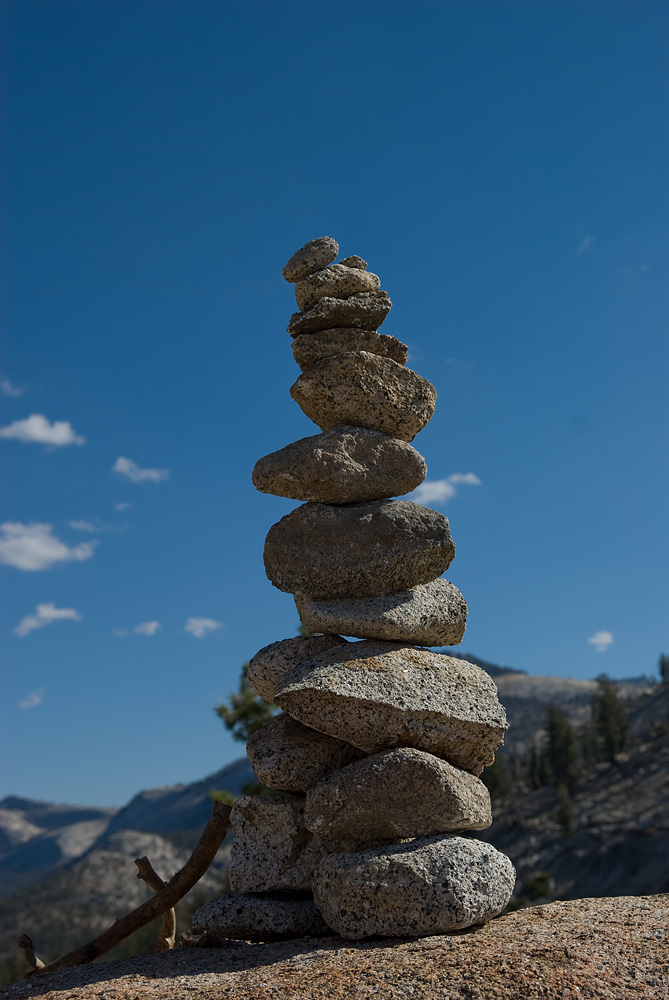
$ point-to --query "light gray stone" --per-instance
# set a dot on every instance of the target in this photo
(364, 390)
(382, 695)
(272, 849)
(269, 664)
(344, 465)
(313, 256)
(309, 348)
(366, 310)
(337, 282)
(361, 550)
(291, 757)
(354, 261)
(248, 917)
(432, 614)
(393, 795)
(434, 885)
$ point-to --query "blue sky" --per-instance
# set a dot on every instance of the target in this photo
(502, 167)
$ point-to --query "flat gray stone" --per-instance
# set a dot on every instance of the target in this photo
(364, 390)
(313, 256)
(366, 309)
(309, 348)
(383, 695)
(344, 465)
(432, 614)
(336, 281)
(269, 664)
(248, 917)
(291, 757)
(361, 550)
(393, 795)
(434, 885)
(354, 261)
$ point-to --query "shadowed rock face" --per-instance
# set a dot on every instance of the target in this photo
(366, 310)
(383, 695)
(365, 390)
(309, 348)
(362, 550)
(430, 886)
(251, 917)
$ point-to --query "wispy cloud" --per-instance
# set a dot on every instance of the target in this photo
(440, 490)
(465, 366)
(36, 429)
(45, 614)
(147, 628)
(7, 389)
(32, 700)
(126, 467)
(601, 640)
(34, 547)
(585, 243)
(200, 627)
(83, 525)
(120, 507)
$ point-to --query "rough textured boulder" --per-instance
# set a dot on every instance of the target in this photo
(366, 310)
(259, 918)
(313, 256)
(342, 466)
(432, 614)
(365, 390)
(291, 757)
(270, 663)
(430, 886)
(355, 261)
(336, 281)
(382, 695)
(309, 348)
(361, 550)
(394, 795)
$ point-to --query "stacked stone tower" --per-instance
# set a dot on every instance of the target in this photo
(377, 755)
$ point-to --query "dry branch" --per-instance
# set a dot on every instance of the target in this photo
(165, 899)
(168, 931)
(28, 950)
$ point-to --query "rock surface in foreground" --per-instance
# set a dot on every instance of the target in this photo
(249, 917)
(432, 614)
(430, 886)
(383, 695)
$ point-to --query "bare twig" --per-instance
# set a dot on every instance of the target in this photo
(28, 949)
(171, 893)
(168, 931)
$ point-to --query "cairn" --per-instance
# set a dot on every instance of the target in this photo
(378, 752)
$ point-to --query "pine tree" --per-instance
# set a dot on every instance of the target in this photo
(663, 668)
(609, 717)
(246, 710)
(559, 757)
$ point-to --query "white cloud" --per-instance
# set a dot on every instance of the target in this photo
(45, 614)
(440, 490)
(126, 467)
(37, 429)
(7, 389)
(200, 627)
(147, 628)
(601, 640)
(123, 506)
(585, 243)
(33, 700)
(34, 547)
(83, 525)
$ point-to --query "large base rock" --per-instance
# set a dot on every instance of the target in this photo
(248, 917)
(382, 695)
(396, 795)
(432, 614)
(430, 886)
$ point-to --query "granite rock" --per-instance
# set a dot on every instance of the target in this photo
(432, 614)
(354, 261)
(342, 466)
(248, 917)
(269, 665)
(361, 550)
(366, 309)
(291, 757)
(313, 256)
(393, 795)
(309, 348)
(433, 885)
(364, 390)
(337, 282)
(383, 695)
